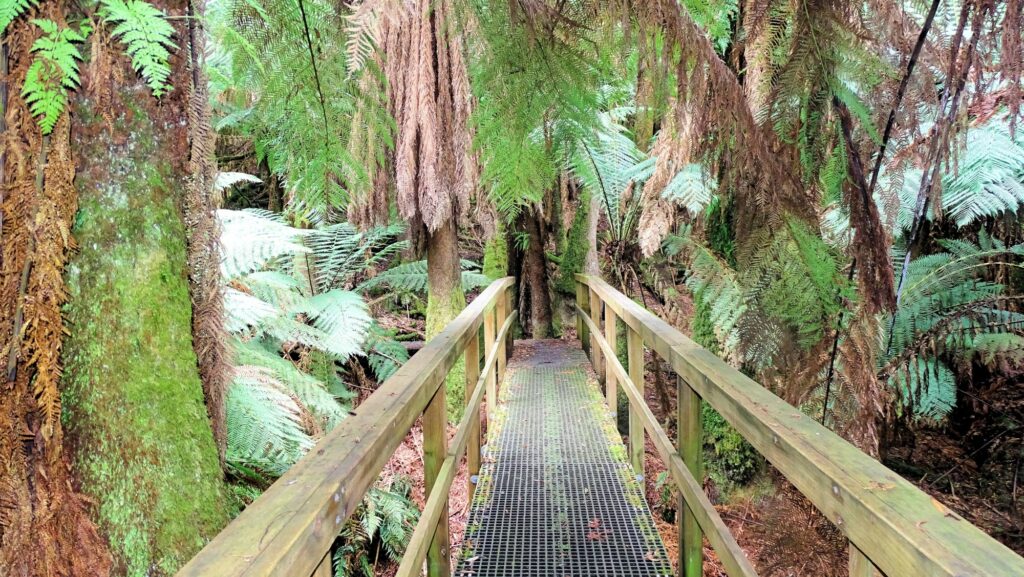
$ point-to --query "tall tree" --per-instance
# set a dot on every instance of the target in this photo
(134, 399)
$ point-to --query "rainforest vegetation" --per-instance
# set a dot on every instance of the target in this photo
(225, 222)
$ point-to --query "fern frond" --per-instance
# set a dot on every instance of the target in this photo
(341, 319)
(250, 240)
(11, 9)
(313, 394)
(412, 277)
(264, 423)
(147, 36)
(54, 71)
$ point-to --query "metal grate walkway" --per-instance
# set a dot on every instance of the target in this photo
(556, 495)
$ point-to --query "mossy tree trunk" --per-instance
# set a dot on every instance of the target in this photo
(533, 280)
(445, 300)
(133, 397)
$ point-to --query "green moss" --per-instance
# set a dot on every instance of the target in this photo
(441, 309)
(496, 255)
(133, 400)
(703, 326)
(732, 461)
(575, 255)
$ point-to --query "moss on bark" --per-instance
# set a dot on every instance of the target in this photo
(575, 255)
(445, 300)
(495, 264)
(441, 309)
(133, 398)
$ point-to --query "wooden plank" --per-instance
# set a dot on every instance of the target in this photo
(596, 358)
(689, 429)
(437, 497)
(635, 354)
(490, 382)
(611, 333)
(435, 449)
(901, 529)
(289, 528)
(325, 568)
(860, 565)
(729, 553)
(472, 358)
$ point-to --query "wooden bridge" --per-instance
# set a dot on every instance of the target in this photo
(558, 494)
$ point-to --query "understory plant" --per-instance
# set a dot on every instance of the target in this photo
(295, 323)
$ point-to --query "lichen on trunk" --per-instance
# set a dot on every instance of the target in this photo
(133, 398)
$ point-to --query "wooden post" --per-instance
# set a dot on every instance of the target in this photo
(501, 313)
(860, 565)
(435, 448)
(596, 358)
(472, 376)
(635, 351)
(611, 335)
(582, 330)
(492, 387)
(325, 568)
(691, 444)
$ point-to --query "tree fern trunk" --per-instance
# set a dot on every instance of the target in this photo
(445, 300)
(534, 278)
(134, 399)
(45, 529)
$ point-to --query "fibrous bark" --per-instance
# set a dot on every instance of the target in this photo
(45, 528)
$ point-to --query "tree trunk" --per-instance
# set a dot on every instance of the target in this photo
(534, 278)
(445, 300)
(591, 265)
(45, 529)
(133, 392)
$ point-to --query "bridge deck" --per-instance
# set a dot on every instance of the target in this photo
(556, 495)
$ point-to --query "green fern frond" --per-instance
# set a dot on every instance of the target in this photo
(54, 71)
(412, 277)
(385, 354)
(147, 36)
(250, 240)
(342, 319)
(340, 253)
(312, 393)
(11, 9)
(264, 424)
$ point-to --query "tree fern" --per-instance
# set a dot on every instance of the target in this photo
(54, 71)
(147, 36)
(948, 310)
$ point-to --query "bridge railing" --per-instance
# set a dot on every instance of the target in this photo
(894, 528)
(289, 530)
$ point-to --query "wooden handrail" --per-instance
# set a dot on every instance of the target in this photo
(729, 552)
(289, 529)
(893, 526)
(416, 551)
